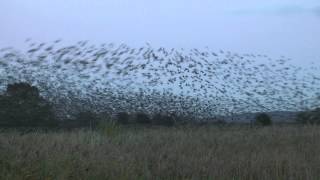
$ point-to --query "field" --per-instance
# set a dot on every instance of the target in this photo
(232, 152)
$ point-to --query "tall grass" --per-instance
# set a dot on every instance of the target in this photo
(163, 153)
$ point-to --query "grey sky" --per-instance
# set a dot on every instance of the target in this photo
(273, 27)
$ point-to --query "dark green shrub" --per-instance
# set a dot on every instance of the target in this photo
(263, 119)
(309, 117)
(122, 118)
(163, 120)
(220, 122)
(142, 118)
(86, 119)
(303, 118)
(23, 91)
(22, 106)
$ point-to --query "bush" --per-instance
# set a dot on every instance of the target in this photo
(220, 122)
(22, 90)
(22, 106)
(142, 118)
(163, 120)
(309, 117)
(263, 119)
(122, 118)
(87, 119)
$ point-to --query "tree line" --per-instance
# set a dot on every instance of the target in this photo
(21, 105)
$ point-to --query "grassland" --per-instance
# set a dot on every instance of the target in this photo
(236, 152)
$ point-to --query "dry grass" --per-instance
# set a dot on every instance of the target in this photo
(163, 153)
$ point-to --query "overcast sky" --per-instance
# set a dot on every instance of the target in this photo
(274, 27)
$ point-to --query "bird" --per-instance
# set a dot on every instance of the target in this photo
(197, 83)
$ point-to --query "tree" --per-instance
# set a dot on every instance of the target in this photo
(142, 118)
(164, 120)
(309, 117)
(22, 106)
(87, 119)
(122, 118)
(263, 119)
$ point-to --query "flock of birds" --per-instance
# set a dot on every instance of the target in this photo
(192, 82)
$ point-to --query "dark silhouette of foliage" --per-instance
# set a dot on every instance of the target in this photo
(309, 117)
(220, 122)
(87, 119)
(142, 118)
(163, 120)
(263, 119)
(22, 106)
(122, 118)
(22, 90)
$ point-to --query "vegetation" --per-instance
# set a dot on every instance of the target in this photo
(22, 106)
(142, 118)
(116, 102)
(164, 120)
(86, 119)
(122, 118)
(263, 119)
(309, 117)
(233, 152)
